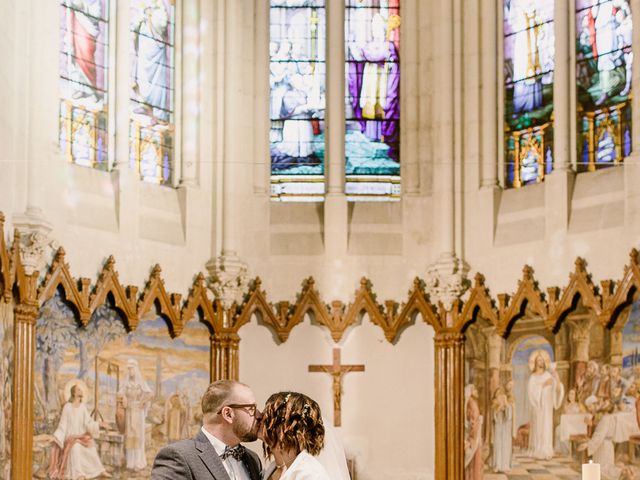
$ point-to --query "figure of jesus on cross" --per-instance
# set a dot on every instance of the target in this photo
(336, 371)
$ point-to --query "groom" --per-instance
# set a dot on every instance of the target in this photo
(230, 416)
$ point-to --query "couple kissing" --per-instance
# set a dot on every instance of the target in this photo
(290, 427)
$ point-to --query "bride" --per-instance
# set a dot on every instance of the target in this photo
(294, 435)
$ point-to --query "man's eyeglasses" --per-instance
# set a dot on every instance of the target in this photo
(250, 408)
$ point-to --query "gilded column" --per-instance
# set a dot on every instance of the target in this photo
(449, 405)
(25, 315)
(225, 360)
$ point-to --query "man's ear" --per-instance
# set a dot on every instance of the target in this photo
(227, 414)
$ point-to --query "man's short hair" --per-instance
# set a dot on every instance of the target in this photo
(216, 395)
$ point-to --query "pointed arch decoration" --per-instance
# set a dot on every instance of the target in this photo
(168, 304)
(124, 298)
(528, 296)
(28, 292)
(75, 292)
(580, 287)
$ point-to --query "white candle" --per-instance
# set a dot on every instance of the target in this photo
(590, 471)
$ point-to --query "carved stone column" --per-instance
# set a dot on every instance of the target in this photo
(495, 352)
(580, 349)
(25, 315)
(225, 362)
(36, 242)
(449, 405)
(228, 280)
(446, 280)
(615, 348)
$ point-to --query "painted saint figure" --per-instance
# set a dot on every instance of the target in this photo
(374, 83)
(527, 89)
(74, 454)
(153, 67)
(174, 418)
(502, 431)
(136, 397)
(83, 29)
(472, 435)
(545, 393)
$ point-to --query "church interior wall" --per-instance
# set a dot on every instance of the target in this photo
(95, 214)
(392, 395)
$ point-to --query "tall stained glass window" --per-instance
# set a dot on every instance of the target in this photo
(528, 74)
(152, 93)
(297, 101)
(603, 76)
(84, 57)
(372, 102)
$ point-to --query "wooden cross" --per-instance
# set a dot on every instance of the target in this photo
(336, 371)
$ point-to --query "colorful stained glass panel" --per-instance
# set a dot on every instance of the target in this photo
(297, 100)
(372, 103)
(528, 75)
(604, 61)
(152, 92)
(84, 58)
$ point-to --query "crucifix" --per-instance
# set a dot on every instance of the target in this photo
(336, 371)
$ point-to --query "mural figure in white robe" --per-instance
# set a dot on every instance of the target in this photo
(136, 398)
(545, 393)
(74, 454)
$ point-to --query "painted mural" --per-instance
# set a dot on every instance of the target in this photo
(6, 382)
(106, 399)
(538, 405)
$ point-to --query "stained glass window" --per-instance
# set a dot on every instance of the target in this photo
(84, 41)
(603, 77)
(528, 74)
(372, 102)
(297, 101)
(152, 93)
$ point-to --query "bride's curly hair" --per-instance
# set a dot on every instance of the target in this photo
(292, 421)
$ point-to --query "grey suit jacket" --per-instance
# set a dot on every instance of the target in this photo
(196, 459)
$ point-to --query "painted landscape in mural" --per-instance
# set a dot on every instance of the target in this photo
(107, 400)
(6, 382)
(539, 404)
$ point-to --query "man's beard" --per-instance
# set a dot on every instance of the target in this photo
(246, 434)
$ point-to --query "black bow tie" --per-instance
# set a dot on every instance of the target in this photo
(236, 452)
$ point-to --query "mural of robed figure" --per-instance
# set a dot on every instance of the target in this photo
(545, 393)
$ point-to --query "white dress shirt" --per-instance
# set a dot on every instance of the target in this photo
(235, 468)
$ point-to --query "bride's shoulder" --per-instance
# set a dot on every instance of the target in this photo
(307, 468)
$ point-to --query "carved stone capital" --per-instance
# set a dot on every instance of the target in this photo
(25, 313)
(448, 339)
(36, 243)
(446, 280)
(228, 279)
